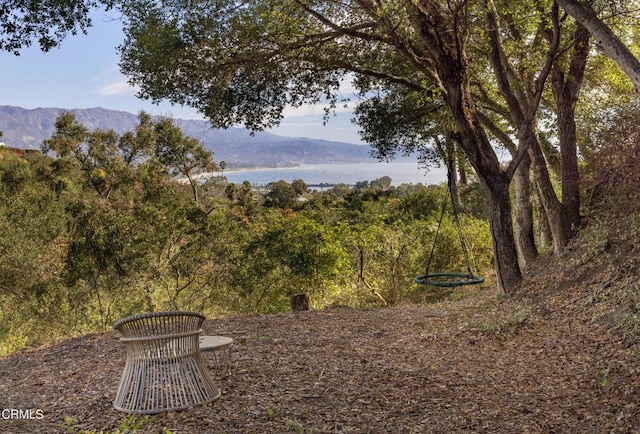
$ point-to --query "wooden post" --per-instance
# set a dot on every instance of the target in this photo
(300, 302)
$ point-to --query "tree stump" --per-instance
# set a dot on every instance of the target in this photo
(300, 302)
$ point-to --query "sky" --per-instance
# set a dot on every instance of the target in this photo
(83, 73)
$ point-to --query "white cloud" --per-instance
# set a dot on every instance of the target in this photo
(298, 124)
(347, 91)
(118, 88)
(318, 109)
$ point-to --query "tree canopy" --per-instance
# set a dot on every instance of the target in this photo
(482, 74)
(47, 23)
(246, 64)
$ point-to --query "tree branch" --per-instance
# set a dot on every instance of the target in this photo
(606, 40)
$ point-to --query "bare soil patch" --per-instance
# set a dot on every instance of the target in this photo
(478, 365)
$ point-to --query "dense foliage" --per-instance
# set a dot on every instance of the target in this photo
(478, 76)
(47, 22)
(106, 225)
(474, 76)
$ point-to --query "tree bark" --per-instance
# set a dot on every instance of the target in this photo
(525, 229)
(523, 97)
(605, 39)
(548, 197)
(505, 256)
(566, 89)
(300, 302)
(463, 179)
(525, 232)
(476, 144)
(544, 231)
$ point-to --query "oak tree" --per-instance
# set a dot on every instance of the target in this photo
(246, 63)
(48, 22)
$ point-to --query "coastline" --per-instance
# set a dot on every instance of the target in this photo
(339, 173)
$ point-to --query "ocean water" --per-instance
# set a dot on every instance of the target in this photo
(400, 173)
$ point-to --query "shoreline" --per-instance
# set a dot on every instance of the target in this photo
(340, 173)
(303, 166)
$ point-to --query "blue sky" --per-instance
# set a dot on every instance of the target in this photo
(83, 73)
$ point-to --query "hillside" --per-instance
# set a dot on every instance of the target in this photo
(544, 361)
(558, 356)
(27, 129)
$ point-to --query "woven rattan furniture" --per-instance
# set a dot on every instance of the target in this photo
(164, 369)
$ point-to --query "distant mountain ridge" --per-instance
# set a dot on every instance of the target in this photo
(27, 128)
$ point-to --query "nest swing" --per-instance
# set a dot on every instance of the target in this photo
(449, 279)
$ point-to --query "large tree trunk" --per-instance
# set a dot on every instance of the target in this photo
(473, 139)
(525, 232)
(606, 40)
(505, 255)
(544, 231)
(523, 95)
(548, 197)
(477, 146)
(566, 88)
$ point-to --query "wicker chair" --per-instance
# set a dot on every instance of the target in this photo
(164, 369)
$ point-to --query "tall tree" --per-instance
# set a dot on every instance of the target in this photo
(523, 92)
(523, 38)
(244, 65)
(107, 159)
(96, 153)
(181, 155)
(566, 83)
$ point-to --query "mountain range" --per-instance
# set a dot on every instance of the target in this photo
(27, 128)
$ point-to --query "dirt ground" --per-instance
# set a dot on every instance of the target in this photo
(482, 364)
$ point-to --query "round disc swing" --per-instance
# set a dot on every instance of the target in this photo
(449, 279)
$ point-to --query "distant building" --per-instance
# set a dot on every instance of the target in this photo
(18, 151)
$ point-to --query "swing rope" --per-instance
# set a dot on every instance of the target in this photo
(435, 240)
(456, 219)
(449, 279)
